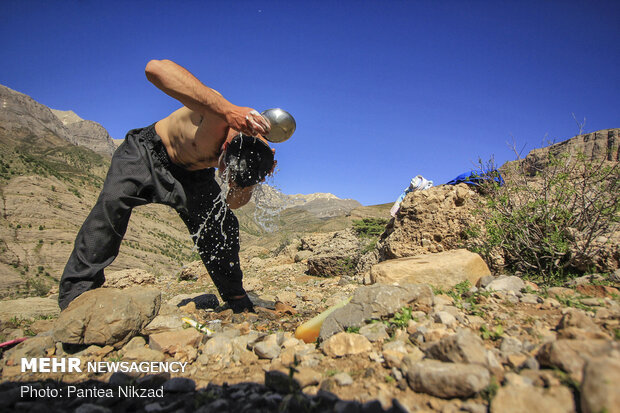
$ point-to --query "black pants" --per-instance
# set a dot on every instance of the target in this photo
(140, 173)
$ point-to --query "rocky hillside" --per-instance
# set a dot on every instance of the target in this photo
(497, 344)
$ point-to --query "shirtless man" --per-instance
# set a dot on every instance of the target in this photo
(172, 162)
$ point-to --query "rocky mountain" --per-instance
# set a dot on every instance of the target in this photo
(21, 112)
(86, 133)
(322, 205)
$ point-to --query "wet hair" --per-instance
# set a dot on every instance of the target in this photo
(248, 160)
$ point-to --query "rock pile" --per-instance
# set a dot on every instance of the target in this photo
(498, 346)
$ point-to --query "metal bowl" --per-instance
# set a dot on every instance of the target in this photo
(282, 125)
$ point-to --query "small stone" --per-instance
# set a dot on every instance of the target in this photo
(510, 345)
(506, 283)
(343, 379)
(344, 344)
(531, 299)
(445, 318)
(136, 342)
(170, 341)
(268, 348)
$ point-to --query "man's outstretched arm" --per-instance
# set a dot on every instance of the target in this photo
(179, 83)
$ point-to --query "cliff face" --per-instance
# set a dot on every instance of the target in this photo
(601, 146)
(22, 113)
(86, 132)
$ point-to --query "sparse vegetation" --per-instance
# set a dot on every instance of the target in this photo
(491, 334)
(549, 217)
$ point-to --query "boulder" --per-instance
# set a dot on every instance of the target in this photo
(28, 308)
(571, 355)
(443, 270)
(445, 380)
(430, 221)
(107, 316)
(333, 255)
(375, 301)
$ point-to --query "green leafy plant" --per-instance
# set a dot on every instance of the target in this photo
(489, 392)
(488, 334)
(401, 318)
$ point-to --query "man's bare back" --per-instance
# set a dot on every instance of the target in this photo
(193, 140)
(194, 134)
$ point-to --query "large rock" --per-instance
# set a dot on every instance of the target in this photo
(375, 301)
(336, 255)
(28, 308)
(518, 399)
(443, 270)
(445, 380)
(572, 355)
(430, 221)
(107, 316)
(599, 390)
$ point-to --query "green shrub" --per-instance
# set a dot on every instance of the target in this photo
(548, 218)
(369, 227)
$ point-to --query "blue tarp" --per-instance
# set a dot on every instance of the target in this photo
(475, 178)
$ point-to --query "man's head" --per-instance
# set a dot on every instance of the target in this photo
(248, 160)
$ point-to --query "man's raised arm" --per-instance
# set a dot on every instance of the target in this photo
(179, 83)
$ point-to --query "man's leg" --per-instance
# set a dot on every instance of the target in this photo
(215, 231)
(98, 241)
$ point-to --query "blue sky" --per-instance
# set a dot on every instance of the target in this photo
(381, 90)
